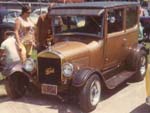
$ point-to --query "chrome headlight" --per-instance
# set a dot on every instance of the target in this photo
(67, 69)
(29, 65)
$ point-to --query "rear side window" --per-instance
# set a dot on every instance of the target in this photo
(115, 20)
(131, 17)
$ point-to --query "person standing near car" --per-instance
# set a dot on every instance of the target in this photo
(44, 29)
(24, 31)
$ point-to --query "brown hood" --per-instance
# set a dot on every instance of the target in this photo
(71, 49)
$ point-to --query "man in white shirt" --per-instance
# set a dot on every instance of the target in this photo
(9, 45)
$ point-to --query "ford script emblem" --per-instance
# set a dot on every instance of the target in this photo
(49, 71)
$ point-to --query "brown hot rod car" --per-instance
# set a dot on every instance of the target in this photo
(95, 47)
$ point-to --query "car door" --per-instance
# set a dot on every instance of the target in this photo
(115, 41)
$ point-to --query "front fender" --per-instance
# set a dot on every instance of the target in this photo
(81, 77)
(18, 68)
(13, 68)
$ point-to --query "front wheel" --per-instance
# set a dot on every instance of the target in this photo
(15, 86)
(90, 94)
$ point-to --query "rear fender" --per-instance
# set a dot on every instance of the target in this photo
(136, 49)
(140, 47)
(132, 57)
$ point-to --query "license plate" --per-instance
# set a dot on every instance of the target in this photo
(49, 89)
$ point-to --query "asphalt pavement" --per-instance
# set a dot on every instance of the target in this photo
(127, 98)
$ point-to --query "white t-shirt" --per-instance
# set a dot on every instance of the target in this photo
(9, 45)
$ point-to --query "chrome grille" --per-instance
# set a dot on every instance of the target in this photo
(49, 71)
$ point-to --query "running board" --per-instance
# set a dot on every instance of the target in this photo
(118, 79)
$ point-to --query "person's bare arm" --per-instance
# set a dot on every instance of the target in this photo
(17, 27)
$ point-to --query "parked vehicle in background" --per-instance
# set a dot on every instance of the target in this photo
(95, 46)
(11, 15)
(145, 22)
(6, 22)
(37, 12)
(34, 18)
(40, 11)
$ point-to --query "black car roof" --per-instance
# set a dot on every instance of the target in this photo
(105, 4)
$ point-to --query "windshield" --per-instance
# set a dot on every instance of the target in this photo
(92, 25)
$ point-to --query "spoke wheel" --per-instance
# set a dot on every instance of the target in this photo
(143, 65)
(90, 93)
(95, 92)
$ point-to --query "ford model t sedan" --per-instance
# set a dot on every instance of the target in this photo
(95, 46)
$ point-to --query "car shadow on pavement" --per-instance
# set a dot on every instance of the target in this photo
(143, 108)
(108, 92)
(55, 103)
(45, 102)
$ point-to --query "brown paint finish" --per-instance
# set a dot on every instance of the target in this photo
(113, 49)
(103, 47)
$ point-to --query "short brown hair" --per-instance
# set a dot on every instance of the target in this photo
(25, 9)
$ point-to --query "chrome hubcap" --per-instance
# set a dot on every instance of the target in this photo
(143, 66)
(95, 92)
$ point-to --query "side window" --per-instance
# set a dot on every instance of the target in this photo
(115, 20)
(131, 17)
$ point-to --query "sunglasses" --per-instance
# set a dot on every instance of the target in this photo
(28, 12)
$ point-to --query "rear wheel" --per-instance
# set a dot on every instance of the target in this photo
(90, 94)
(15, 86)
(140, 65)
